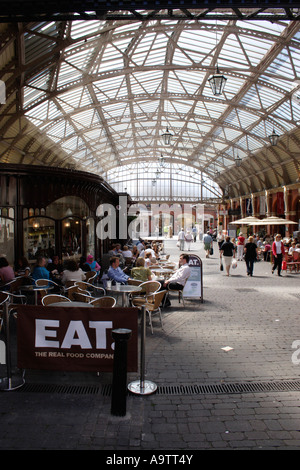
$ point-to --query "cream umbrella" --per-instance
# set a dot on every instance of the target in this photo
(273, 220)
(250, 220)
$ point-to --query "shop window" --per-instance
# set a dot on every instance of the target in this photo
(39, 237)
(71, 237)
(7, 233)
(68, 206)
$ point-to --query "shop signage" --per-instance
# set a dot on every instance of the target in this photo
(73, 338)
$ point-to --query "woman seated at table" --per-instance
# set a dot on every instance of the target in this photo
(72, 272)
(150, 261)
(22, 267)
(6, 272)
(126, 252)
(135, 252)
(141, 273)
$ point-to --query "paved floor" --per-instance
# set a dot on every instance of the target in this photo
(245, 396)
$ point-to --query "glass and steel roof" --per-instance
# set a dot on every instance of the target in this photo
(104, 92)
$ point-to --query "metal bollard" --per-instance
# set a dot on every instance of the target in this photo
(119, 387)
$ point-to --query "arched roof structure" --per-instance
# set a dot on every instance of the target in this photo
(97, 94)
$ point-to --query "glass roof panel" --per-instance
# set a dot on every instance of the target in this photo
(118, 85)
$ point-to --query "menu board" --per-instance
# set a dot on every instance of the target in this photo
(194, 287)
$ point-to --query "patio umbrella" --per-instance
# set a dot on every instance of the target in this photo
(273, 220)
(246, 220)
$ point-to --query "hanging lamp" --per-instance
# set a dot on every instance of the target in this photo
(217, 82)
(273, 138)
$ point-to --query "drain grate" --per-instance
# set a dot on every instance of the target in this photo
(224, 388)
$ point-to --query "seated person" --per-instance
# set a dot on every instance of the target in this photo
(40, 271)
(22, 267)
(55, 267)
(292, 249)
(84, 266)
(117, 249)
(72, 273)
(135, 252)
(126, 252)
(115, 273)
(148, 260)
(6, 272)
(178, 279)
(92, 264)
(141, 273)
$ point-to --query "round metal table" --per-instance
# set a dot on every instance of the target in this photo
(35, 289)
(124, 290)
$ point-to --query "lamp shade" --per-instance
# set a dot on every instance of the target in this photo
(273, 138)
(217, 83)
(238, 161)
(167, 137)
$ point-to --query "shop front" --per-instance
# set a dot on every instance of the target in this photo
(47, 211)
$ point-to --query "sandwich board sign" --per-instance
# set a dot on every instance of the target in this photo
(194, 286)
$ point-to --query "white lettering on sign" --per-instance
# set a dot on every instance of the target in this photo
(41, 333)
(76, 334)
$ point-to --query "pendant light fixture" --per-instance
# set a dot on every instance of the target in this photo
(217, 82)
(273, 138)
(167, 136)
(238, 161)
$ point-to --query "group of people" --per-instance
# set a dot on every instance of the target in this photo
(149, 251)
(44, 268)
(250, 249)
(186, 238)
(142, 273)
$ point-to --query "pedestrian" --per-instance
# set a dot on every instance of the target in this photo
(188, 239)
(250, 251)
(181, 239)
(208, 242)
(278, 252)
(228, 253)
(240, 246)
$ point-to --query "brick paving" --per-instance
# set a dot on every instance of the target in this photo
(257, 317)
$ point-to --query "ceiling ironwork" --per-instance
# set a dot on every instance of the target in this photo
(96, 94)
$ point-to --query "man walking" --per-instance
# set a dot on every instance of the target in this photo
(208, 241)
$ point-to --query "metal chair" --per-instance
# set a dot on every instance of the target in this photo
(90, 276)
(4, 298)
(53, 298)
(180, 295)
(90, 288)
(138, 299)
(82, 297)
(153, 307)
(105, 302)
(69, 291)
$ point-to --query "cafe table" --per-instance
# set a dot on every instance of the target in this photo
(124, 290)
(162, 271)
(35, 289)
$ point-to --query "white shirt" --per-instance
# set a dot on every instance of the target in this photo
(181, 275)
(67, 275)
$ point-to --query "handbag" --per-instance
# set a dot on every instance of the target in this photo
(221, 267)
(234, 263)
(211, 251)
